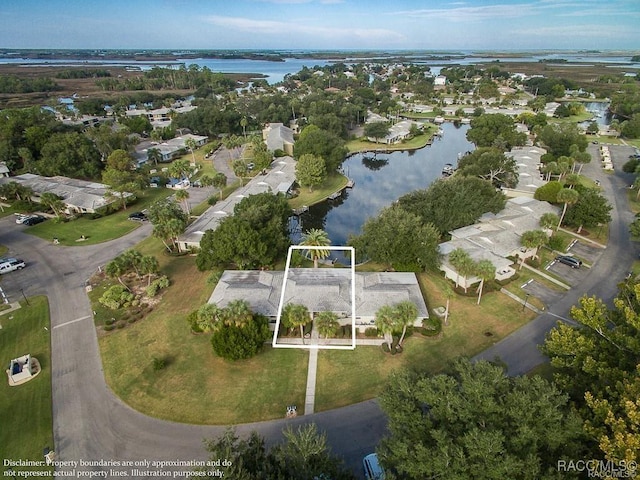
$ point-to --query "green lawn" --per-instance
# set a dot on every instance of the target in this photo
(417, 142)
(209, 390)
(97, 230)
(332, 184)
(27, 422)
(345, 377)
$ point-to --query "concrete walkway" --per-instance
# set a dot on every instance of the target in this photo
(13, 306)
(310, 395)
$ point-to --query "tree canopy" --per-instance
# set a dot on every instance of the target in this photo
(302, 455)
(596, 362)
(255, 235)
(475, 422)
(558, 139)
(490, 163)
(591, 209)
(454, 202)
(495, 130)
(321, 143)
(398, 238)
(311, 171)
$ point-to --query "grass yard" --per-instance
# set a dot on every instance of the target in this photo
(341, 381)
(417, 142)
(27, 421)
(209, 390)
(100, 229)
(332, 184)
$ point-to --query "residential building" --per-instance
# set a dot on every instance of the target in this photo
(278, 178)
(79, 196)
(530, 178)
(321, 289)
(278, 137)
(496, 237)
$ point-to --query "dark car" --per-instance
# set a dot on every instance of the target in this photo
(33, 220)
(138, 217)
(567, 260)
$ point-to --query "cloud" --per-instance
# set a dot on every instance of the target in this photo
(462, 12)
(271, 27)
(575, 31)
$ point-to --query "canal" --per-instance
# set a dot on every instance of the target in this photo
(380, 179)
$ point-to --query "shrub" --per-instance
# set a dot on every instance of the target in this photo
(385, 348)
(233, 342)
(158, 363)
(192, 320)
(631, 165)
(109, 327)
(431, 326)
(371, 332)
(116, 297)
(556, 243)
(158, 284)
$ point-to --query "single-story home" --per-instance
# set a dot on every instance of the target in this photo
(79, 196)
(278, 137)
(320, 290)
(497, 238)
(530, 177)
(169, 150)
(278, 178)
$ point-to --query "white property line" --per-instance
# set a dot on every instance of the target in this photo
(72, 321)
(352, 251)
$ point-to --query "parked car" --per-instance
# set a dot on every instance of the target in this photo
(372, 468)
(567, 260)
(138, 217)
(11, 264)
(33, 220)
(20, 218)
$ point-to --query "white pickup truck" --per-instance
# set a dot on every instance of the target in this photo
(10, 264)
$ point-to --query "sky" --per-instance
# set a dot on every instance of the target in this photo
(321, 24)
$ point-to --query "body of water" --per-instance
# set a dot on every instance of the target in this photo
(276, 71)
(380, 179)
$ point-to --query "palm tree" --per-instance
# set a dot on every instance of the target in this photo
(463, 264)
(220, 181)
(209, 317)
(316, 238)
(154, 155)
(385, 321)
(533, 239)
(238, 312)
(549, 220)
(295, 315)
(149, 266)
(486, 271)
(191, 144)
(406, 314)
(183, 196)
(568, 197)
(115, 269)
(572, 179)
(240, 169)
(243, 124)
(131, 259)
(327, 324)
(52, 201)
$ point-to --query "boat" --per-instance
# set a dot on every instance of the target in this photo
(448, 170)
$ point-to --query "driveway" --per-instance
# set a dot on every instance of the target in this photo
(547, 295)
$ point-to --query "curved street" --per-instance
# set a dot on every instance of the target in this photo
(91, 423)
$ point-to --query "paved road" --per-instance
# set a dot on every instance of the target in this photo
(520, 350)
(91, 423)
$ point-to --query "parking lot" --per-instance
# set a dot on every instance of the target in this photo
(586, 252)
(542, 292)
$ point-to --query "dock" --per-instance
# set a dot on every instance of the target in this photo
(301, 210)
